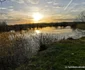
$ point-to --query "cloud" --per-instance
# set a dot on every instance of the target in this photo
(15, 15)
(64, 16)
(46, 5)
(18, 1)
(83, 2)
(11, 7)
(34, 1)
(75, 10)
(50, 2)
(2, 8)
(57, 7)
(55, 3)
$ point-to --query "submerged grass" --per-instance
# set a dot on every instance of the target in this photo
(57, 56)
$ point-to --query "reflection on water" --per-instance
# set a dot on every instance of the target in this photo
(38, 31)
(52, 30)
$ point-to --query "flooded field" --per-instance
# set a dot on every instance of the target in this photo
(28, 41)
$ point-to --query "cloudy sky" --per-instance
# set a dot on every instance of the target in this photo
(53, 10)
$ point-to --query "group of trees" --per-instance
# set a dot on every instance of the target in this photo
(3, 23)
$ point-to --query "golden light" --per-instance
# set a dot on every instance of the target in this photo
(37, 31)
(37, 16)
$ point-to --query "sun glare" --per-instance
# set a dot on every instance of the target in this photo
(37, 31)
(37, 16)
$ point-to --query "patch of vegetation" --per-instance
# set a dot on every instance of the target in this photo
(12, 52)
(57, 56)
(81, 26)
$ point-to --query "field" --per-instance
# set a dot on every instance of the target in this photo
(57, 56)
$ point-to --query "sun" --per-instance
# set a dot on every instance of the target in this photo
(37, 16)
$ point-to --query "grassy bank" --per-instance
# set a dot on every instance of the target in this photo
(57, 56)
(81, 26)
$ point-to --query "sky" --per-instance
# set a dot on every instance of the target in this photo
(21, 11)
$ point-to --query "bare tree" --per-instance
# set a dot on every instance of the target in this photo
(81, 17)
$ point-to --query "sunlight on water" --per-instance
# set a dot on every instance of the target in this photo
(55, 30)
(37, 31)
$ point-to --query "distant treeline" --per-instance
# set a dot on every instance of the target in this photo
(5, 28)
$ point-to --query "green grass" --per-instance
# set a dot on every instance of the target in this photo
(81, 26)
(57, 56)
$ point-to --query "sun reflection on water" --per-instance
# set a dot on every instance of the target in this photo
(37, 31)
